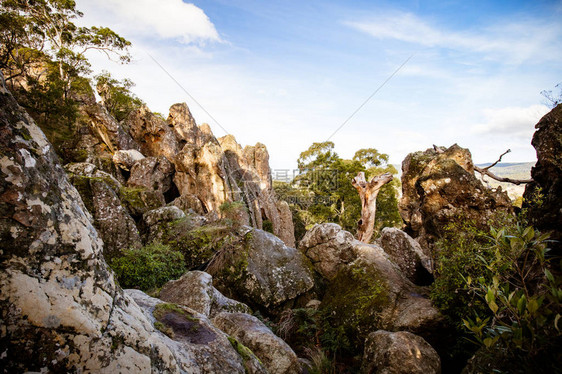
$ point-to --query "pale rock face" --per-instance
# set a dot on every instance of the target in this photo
(274, 353)
(195, 290)
(405, 252)
(438, 187)
(61, 308)
(210, 172)
(125, 159)
(107, 128)
(399, 353)
(329, 247)
(261, 271)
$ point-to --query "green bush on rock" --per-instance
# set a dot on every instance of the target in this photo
(149, 267)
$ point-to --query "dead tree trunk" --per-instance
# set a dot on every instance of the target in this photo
(368, 193)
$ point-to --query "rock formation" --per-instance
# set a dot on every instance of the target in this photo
(439, 188)
(365, 290)
(543, 198)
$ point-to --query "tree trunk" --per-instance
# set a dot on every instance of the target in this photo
(368, 193)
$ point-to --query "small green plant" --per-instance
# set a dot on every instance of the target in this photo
(522, 295)
(149, 267)
(234, 212)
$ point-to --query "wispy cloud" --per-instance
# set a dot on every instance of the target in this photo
(165, 19)
(518, 122)
(514, 42)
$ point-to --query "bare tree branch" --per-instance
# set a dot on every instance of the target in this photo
(486, 171)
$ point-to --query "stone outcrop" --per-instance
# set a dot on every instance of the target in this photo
(405, 252)
(125, 159)
(195, 290)
(439, 188)
(260, 270)
(153, 173)
(543, 197)
(105, 127)
(210, 172)
(399, 353)
(274, 353)
(61, 309)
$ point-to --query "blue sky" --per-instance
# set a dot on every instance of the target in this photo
(289, 73)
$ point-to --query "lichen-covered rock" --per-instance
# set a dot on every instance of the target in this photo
(195, 290)
(274, 353)
(99, 191)
(439, 188)
(260, 270)
(399, 353)
(407, 254)
(125, 159)
(61, 310)
(329, 247)
(543, 197)
(153, 173)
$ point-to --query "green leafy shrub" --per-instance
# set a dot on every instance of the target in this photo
(149, 267)
(523, 296)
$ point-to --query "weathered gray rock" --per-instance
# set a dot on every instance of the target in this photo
(260, 270)
(61, 308)
(199, 346)
(399, 353)
(99, 191)
(125, 159)
(274, 353)
(543, 197)
(405, 252)
(329, 247)
(439, 188)
(163, 214)
(195, 290)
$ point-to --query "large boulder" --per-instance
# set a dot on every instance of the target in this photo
(125, 159)
(368, 291)
(195, 290)
(100, 193)
(399, 353)
(198, 345)
(405, 252)
(439, 188)
(260, 270)
(543, 197)
(61, 308)
(274, 353)
(329, 247)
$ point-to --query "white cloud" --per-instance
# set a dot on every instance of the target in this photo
(166, 19)
(516, 122)
(512, 42)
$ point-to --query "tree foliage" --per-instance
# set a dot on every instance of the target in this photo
(116, 95)
(323, 192)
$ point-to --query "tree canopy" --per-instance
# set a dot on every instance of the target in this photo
(322, 192)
